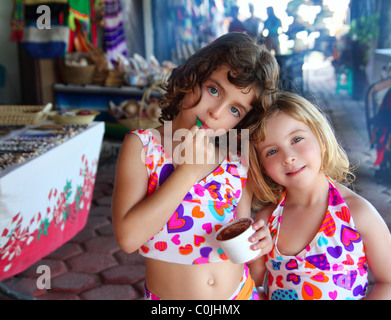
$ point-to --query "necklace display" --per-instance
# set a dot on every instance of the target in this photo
(18, 144)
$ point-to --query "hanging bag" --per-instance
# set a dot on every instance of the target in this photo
(44, 34)
(45, 43)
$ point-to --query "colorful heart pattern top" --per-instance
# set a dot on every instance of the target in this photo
(188, 236)
(333, 266)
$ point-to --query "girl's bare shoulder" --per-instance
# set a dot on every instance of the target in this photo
(354, 201)
(265, 212)
(364, 214)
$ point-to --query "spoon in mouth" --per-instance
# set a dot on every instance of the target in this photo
(199, 123)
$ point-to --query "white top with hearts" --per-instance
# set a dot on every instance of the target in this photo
(332, 266)
(189, 236)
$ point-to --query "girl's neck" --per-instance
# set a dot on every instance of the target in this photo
(168, 129)
(172, 133)
(311, 195)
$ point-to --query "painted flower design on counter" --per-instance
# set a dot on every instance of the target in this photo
(62, 211)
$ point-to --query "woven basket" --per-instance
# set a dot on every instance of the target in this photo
(77, 75)
(23, 115)
(76, 119)
(143, 121)
(114, 79)
(99, 77)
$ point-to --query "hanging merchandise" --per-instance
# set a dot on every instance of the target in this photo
(33, 9)
(97, 14)
(45, 43)
(17, 21)
(114, 33)
(84, 63)
(79, 10)
(44, 34)
(79, 22)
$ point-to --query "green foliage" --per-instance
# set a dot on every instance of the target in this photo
(365, 31)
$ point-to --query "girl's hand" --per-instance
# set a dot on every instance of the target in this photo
(261, 238)
(196, 149)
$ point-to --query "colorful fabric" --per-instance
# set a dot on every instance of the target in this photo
(56, 8)
(17, 21)
(114, 33)
(188, 236)
(81, 11)
(50, 40)
(44, 2)
(333, 266)
(246, 289)
(45, 43)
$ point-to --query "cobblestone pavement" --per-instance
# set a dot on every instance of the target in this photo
(92, 267)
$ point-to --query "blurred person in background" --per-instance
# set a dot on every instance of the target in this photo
(236, 25)
(272, 30)
(253, 24)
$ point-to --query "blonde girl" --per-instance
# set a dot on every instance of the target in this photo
(325, 237)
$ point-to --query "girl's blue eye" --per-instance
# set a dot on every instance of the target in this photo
(235, 111)
(296, 140)
(213, 91)
(271, 152)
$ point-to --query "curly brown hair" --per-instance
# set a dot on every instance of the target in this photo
(252, 67)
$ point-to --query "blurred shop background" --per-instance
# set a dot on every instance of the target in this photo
(352, 35)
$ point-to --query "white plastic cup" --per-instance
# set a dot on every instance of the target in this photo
(235, 242)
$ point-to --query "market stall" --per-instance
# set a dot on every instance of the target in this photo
(47, 178)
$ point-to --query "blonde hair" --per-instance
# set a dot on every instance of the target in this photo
(335, 162)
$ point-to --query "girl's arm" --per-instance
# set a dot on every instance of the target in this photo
(136, 217)
(377, 241)
(261, 237)
(243, 210)
(257, 267)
